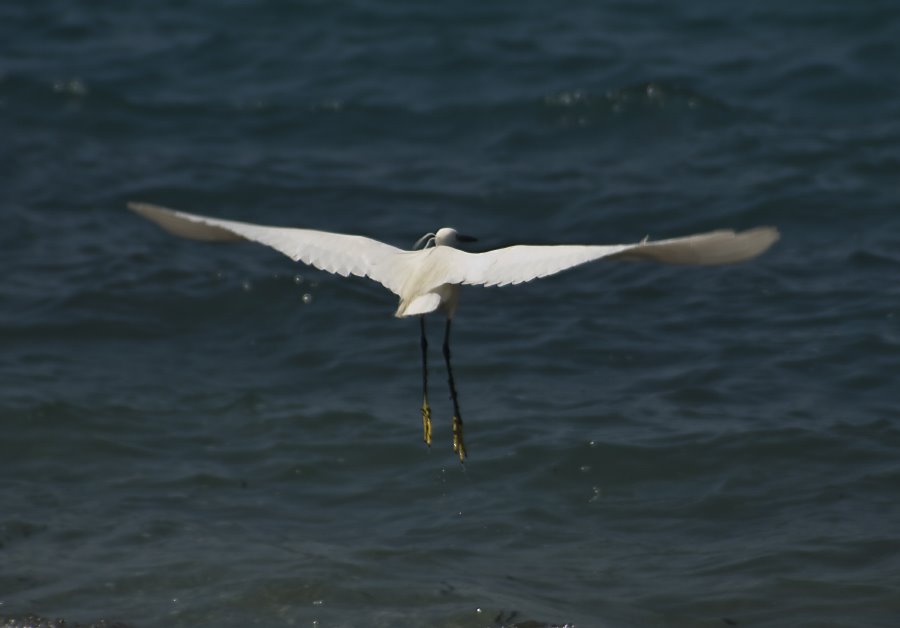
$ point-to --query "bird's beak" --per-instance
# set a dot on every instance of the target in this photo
(465, 238)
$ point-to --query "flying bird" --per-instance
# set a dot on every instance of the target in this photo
(427, 279)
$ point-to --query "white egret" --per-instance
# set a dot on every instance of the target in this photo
(428, 279)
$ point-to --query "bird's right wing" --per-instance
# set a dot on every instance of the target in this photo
(517, 264)
(332, 252)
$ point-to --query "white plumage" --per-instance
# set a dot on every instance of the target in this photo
(428, 279)
(424, 277)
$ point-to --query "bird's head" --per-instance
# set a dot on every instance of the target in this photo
(445, 236)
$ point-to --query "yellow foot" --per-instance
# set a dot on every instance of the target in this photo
(426, 422)
(458, 445)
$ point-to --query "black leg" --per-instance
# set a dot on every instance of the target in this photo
(426, 409)
(458, 445)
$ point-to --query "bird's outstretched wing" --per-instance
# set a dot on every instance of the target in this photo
(517, 264)
(332, 252)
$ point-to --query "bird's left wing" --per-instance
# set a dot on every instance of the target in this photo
(520, 263)
(332, 252)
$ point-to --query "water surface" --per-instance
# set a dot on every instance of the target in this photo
(212, 435)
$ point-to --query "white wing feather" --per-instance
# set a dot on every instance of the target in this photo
(418, 276)
(517, 264)
(333, 252)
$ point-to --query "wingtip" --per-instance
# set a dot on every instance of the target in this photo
(182, 224)
(767, 231)
(147, 210)
(762, 237)
(740, 247)
(713, 248)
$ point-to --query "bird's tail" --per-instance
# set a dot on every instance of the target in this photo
(422, 304)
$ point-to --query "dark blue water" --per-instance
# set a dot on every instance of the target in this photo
(203, 435)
